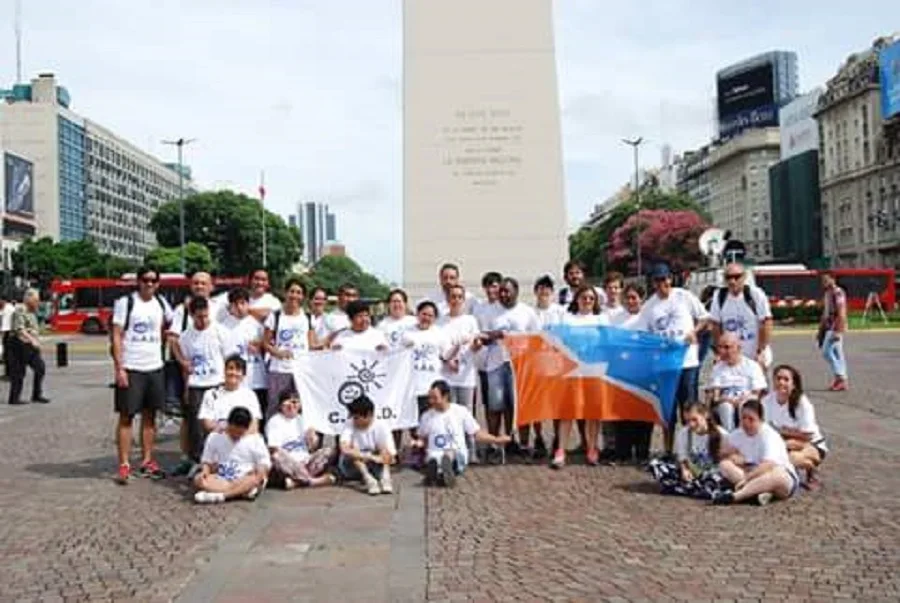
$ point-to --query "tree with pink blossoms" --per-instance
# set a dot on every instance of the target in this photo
(665, 236)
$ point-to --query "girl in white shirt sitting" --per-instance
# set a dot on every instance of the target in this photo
(755, 460)
(790, 412)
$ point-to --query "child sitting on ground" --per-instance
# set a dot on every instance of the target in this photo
(235, 463)
(443, 431)
(293, 446)
(367, 448)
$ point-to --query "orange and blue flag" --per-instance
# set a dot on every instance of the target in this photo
(602, 373)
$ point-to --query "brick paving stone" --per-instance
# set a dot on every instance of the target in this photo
(606, 534)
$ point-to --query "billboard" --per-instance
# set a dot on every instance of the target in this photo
(889, 72)
(799, 130)
(19, 190)
(746, 100)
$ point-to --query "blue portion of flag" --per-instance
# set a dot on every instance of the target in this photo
(645, 362)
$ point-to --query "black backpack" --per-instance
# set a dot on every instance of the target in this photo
(130, 308)
(722, 295)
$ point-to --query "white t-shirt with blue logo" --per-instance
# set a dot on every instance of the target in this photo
(460, 331)
(235, 459)
(142, 339)
(289, 435)
(394, 328)
(292, 336)
(673, 318)
(428, 349)
(242, 331)
(205, 351)
(734, 381)
(448, 430)
(736, 316)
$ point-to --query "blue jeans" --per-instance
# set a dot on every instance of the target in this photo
(497, 388)
(833, 351)
(460, 460)
(705, 345)
(351, 474)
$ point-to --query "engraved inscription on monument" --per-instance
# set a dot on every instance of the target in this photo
(483, 146)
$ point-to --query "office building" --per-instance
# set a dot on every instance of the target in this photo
(317, 227)
(730, 181)
(859, 163)
(482, 157)
(88, 182)
(749, 93)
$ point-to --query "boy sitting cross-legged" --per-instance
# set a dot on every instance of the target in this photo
(443, 431)
(235, 463)
(367, 448)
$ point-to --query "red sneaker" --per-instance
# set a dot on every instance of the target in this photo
(593, 457)
(123, 474)
(152, 470)
(839, 385)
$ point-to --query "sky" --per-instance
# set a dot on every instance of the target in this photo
(310, 90)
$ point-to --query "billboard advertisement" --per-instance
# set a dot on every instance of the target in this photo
(799, 130)
(19, 189)
(746, 100)
(889, 72)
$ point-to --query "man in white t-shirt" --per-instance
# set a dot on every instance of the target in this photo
(448, 277)
(500, 401)
(735, 379)
(218, 402)
(288, 337)
(443, 432)
(367, 448)
(245, 338)
(202, 357)
(743, 310)
(573, 273)
(337, 319)
(359, 335)
(676, 314)
(236, 462)
(139, 321)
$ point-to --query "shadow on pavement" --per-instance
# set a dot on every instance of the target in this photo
(103, 467)
(643, 487)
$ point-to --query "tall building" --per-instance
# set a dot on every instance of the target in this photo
(859, 162)
(749, 93)
(317, 227)
(88, 182)
(482, 151)
(730, 181)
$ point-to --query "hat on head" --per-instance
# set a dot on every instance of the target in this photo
(660, 271)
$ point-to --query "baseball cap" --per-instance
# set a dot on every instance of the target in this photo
(660, 271)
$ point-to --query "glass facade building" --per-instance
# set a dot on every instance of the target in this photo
(71, 181)
(797, 210)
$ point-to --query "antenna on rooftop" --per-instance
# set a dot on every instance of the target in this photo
(18, 28)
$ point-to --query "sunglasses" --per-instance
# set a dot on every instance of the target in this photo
(149, 281)
(734, 277)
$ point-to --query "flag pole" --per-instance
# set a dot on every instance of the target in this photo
(262, 205)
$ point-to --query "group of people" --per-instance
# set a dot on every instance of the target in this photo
(232, 359)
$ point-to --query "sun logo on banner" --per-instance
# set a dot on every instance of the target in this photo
(364, 378)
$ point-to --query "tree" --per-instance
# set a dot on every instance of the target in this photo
(229, 225)
(331, 272)
(591, 245)
(663, 235)
(42, 260)
(168, 259)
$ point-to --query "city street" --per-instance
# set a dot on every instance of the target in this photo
(68, 533)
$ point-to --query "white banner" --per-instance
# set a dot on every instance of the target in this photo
(328, 381)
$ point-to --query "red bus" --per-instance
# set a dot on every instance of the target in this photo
(804, 287)
(85, 304)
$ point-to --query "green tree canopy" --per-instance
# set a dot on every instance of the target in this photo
(591, 245)
(229, 225)
(168, 259)
(331, 272)
(42, 260)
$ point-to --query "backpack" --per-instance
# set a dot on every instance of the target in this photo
(277, 314)
(130, 308)
(722, 295)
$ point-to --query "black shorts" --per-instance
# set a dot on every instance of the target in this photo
(145, 391)
(189, 410)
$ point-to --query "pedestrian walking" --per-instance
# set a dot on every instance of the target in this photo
(24, 350)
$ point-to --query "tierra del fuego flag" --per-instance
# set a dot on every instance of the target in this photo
(603, 373)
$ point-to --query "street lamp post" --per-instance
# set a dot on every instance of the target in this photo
(180, 143)
(635, 145)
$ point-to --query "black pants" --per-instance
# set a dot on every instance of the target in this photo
(6, 339)
(633, 441)
(20, 356)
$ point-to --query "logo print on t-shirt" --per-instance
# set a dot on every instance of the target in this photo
(440, 441)
(287, 335)
(141, 325)
(200, 365)
(663, 322)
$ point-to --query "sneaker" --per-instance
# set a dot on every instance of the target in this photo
(289, 484)
(208, 498)
(152, 470)
(252, 494)
(592, 457)
(723, 498)
(763, 499)
(431, 472)
(195, 469)
(385, 482)
(559, 459)
(183, 468)
(448, 474)
(124, 474)
(839, 385)
(372, 486)
(41, 400)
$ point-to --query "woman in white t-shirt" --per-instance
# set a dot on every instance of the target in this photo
(461, 333)
(790, 412)
(755, 460)
(698, 444)
(295, 455)
(288, 336)
(398, 321)
(318, 299)
(584, 311)
(360, 336)
(549, 312)
(430, 349)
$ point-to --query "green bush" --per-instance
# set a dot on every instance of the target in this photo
(796, 314)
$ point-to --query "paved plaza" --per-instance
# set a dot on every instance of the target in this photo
(519, 532)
